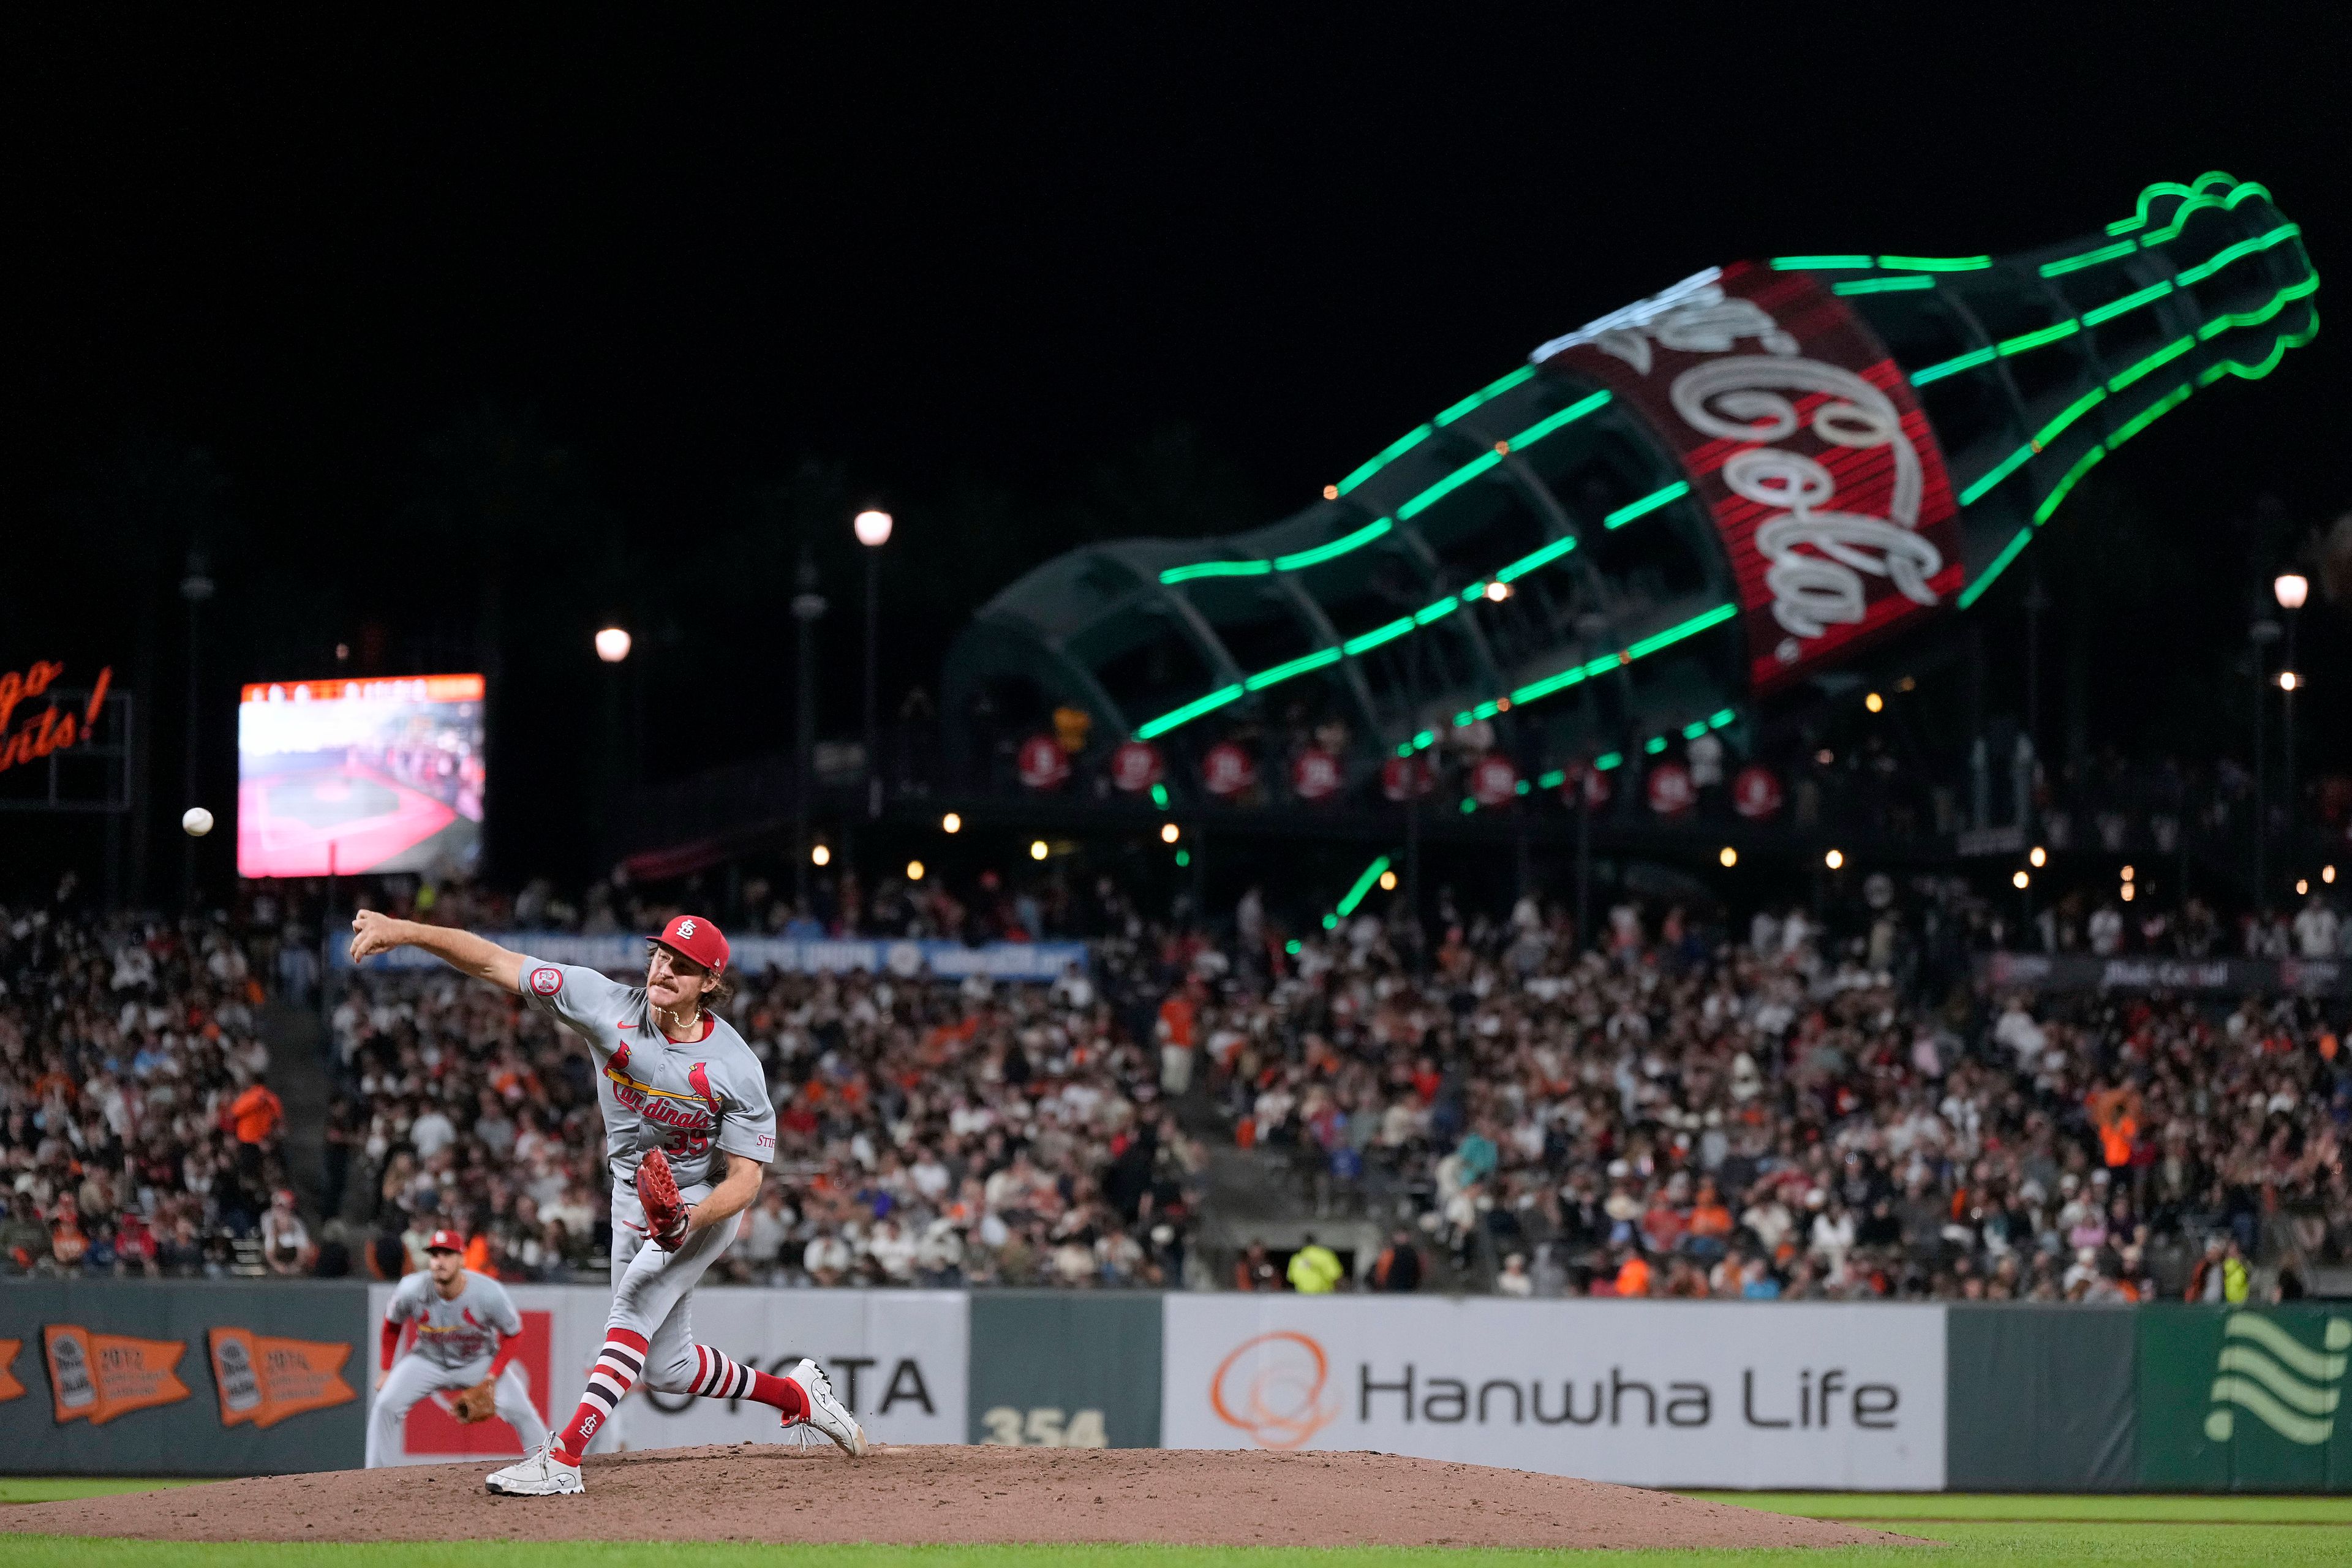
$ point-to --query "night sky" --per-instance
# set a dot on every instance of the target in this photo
(307, 293)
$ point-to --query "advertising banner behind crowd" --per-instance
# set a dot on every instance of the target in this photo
(619, 953)
(1662, 1394)
(2225, 977)
(897, 1359)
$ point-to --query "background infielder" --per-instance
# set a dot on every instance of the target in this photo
(688, 1128)
(460, 1317)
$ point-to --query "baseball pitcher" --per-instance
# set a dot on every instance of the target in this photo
(688, 1128)
(460, 1317)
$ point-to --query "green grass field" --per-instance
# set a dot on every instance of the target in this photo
(1994, 1531)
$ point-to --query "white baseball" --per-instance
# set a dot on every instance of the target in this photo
(196, 822)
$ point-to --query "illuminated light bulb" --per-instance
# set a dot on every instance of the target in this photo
(1825, 756)
(2127, 873)
(2292, 588)
(1502, 448)
(873, 528)
(1874, 702)
(820, 856)
(2288, 680)
(914, 870)
(1908, 683)
(950, 823)
(1388, 881)
(1036, 850)
(1834, 859)
(1168, 832)
(1497, 592)
(1730, 857)
(1330, 492)
(2302, 886)
(612, 645)
(2129, 892)
(2328, 873)
(2039, 855)
(2019, 880)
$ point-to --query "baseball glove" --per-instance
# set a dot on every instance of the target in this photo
(475, 1404)
(657, 1192)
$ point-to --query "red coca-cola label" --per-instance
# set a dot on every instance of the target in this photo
(1043, 763)
(1314, 774)
(1404, 777)
(1594, 782)
(1135, 767)
(1227, 770)
(1670, 789)
(1493, 780)
(1802, 437)
(1756, 792)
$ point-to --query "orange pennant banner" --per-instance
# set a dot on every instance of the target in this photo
(264, 1380)
(97, 1377)
(10, 1387)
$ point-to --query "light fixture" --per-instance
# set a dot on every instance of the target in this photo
(2328, 873)
(2292, 588)
(820, 856)
(2039, 857)
(950, 823)
(2129, 892)
(2127, 873)
(1874, 702)
(1036, 850)
(1825, 756)
(914, 870)
(612, 644)
(1388, 881)
(1170, 833)
(1730, 857)
(2019, 880)
(2289, 680)
(873, 528)
(1497, 592)
(1834, 859)
(1330, 492)
(2302, 886)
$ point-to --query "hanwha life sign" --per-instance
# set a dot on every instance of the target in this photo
(1653, 1394)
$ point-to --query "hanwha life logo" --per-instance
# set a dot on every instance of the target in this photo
(1271, 1388)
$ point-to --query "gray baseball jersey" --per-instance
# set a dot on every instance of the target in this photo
(693, 1100)
(456, 1333)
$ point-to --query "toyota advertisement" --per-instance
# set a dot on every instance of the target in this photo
(336, 777)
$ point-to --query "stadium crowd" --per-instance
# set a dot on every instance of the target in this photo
(1782, 1111)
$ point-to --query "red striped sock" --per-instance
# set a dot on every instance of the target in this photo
(617, 1366)
(718, 1375)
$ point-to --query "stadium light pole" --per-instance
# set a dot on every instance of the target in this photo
(873, 529)
(808, 608)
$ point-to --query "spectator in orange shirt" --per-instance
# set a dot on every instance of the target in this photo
(1633, 1273)
(253, 1116)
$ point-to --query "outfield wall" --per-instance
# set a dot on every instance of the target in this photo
(139, 1378)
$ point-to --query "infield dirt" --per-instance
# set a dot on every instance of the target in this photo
(907, 1495)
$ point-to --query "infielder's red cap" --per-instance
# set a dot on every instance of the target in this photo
(699, 939)
(446, 1241)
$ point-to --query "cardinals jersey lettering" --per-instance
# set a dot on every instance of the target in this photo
(695, 1101)
(459, 1333)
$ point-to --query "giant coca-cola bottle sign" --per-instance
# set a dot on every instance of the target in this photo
(1802, 436)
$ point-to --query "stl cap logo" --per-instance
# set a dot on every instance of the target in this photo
(2279, 1380)
(547, 981)
(685, 930)
(1271, 1388)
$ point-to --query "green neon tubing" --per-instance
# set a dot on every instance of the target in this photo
(1975, 591)
(2227, 254)
(2091, 459)
(1721, 717)
(1365, 642)
(1340, 546)
(1954, 365)
(2255, 317)
(1190, 712)
(2181, 214)
(2075, 410)
(1936, 263)
(2129, 302)
(1692, 627)
(1693, 730)
(1998, 472)
(1655, 744)
(1812, 263)
(1448, 485)
(1385, 456)
(1159, 796)
(1569, 414)
(1424, 741)
(1607, 759)
(1438, 611)
(2150, 415)
(1363, 885)
(1216, 569)
(1881, 285)
(1534, 559)
(2024, 341)
(1647, 504)
(1518, 377)
(1299, 665)
(2213, 373)
(2157, 360)
(1468, 805)
(2122, 248)
(2148, 195)
(1551, 780)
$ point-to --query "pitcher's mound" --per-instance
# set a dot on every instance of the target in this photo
(761, 1492)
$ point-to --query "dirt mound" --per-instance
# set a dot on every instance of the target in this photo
(757, 1492)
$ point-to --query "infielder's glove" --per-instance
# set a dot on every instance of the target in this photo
(475, 1404)
(657, 1193)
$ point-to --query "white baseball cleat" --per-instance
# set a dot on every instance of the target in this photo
(827, 1414)
(536, 1474)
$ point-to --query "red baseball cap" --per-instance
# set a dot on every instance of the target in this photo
(699, 939)
(446, 1241)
